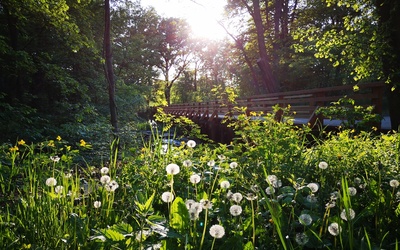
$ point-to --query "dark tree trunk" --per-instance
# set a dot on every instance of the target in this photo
(109, 68)
(270, 81)
(389, 21)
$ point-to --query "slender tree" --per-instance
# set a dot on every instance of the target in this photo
(108, 65)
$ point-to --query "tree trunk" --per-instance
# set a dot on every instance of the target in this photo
(270, 81)
(108, 67)
(389, 20)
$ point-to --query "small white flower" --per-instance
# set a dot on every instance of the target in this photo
(334, 229)
(55, 158)
(352, 191)
(211, 163)
(217, 231)
(191, 144)
(51, 182)
(323, 165)
(313, 186)
(187, 163)
(237, 197)
(58, 189)
(164, 149)
(233, 165)
(301, 239)
(195, 178)
(167, 197)
(225, 184)
(235, 210)
(206, 204)
(172, 168)
(270, 190)
(394, 183)
(305, 219)
(97, 204)
(105, 179)
(104, 170)
(349, 215)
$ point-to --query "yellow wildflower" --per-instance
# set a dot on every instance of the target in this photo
(21, 142)
(13, 149)
(68, 148)
(356, 88)
(82, 143)
(374, 128)
(51, 143)
(58, 138)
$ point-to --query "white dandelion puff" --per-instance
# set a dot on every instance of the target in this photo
(225, 184)
(217, 231)
(51, 182)
(187, 163)
(301, 239)
(237, 197)
(172, 168)
(97, 204)
(334, 229)
(211, 163)
(352, 191)
(191, 144)
(195, 178)
(167, 197)
(233, 165)
(58, 189)
(104, 170)
(313, 186)
(323, 165)
(347, 215)
(305, 219)
(270, 190)
(105, 179)
(235, 210)
(394, 183)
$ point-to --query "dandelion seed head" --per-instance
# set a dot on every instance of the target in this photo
(394, 183)
(233, 165)
(313, 186)
(357, 181)
(51, 182)
(55, 158)
(172, 168)
(167, 197)
(195, 178)
(189, 203)
(237, 197)
(270, 190)
(97, 204)
(225, 184)
(349, 215)
(104, 170)
(187, 163)
(334, 229)
(323, 165)
(352, 191)
(222, 157)
(191, 143)
(305, 219)
(211, 163)
(312, 198)
(105, 179)
(198, 206)
(301, 239)
(235, 210)
(58, 189)
(217, 231)
(193, 214)
(112, 186)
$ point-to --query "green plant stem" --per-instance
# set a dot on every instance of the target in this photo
(253, 222)
(204, 230)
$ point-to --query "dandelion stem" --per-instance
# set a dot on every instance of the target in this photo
(204, 229)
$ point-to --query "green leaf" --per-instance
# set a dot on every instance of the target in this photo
(112, 235)
(248, 246)
(179, 215)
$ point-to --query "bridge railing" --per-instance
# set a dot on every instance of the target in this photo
(304, 103)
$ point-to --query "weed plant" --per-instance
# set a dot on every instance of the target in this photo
(269, 189)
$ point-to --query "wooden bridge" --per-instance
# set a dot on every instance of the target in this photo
(303, 103)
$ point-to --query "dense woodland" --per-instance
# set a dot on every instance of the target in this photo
(70, 67)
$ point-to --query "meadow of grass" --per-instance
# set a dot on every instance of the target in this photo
(275, 186)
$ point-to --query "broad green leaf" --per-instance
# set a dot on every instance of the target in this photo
(248, 246)
(179, 215)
